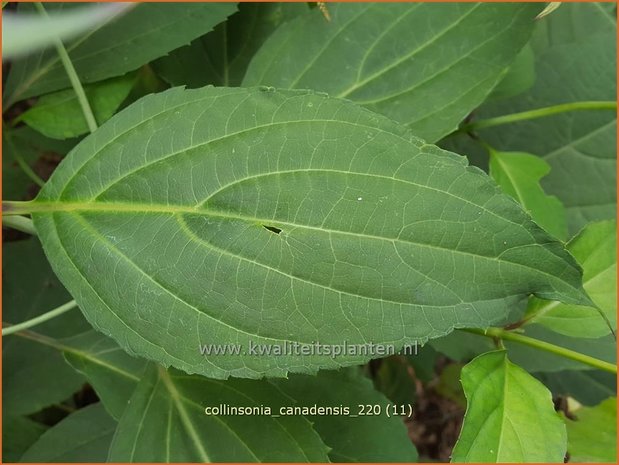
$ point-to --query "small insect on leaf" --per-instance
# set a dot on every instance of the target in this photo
(325, 11)
(552, 6)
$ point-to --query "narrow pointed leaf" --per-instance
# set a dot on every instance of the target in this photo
(264, 218)
(510, 416)
(595, 248)
(166, 421)
(424, 65)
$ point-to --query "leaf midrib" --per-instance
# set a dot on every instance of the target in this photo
(123, 208)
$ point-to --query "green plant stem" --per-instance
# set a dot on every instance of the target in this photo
(16, 207)
(546, 346)
(39, 319)
(21, 223)
(75, 81)
(538, 113)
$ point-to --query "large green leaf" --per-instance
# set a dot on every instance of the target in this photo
(84, 436)
(510, 416)
(34, 376)
(424, 65)
(275, 219)
(575, 51)
(166, 421)
(592, 437)
(518, 174)
(59, 115)
(595, 248)
(146, 32)
(221, 57)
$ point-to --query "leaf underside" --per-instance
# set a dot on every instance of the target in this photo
(158, 224)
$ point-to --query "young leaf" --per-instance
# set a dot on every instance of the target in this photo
(264, 219)
(424, 65)
(574, 45)
(58, 115)
(84, 436)
(510, 416)
(518, 174)
(168, 408)
(146, 32)
(593, 436)
(595, 248)
(221, 57)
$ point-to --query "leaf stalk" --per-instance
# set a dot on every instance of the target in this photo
(538, 113)
(75, 81)
(545, 346)
(20, 223)
(39, 319)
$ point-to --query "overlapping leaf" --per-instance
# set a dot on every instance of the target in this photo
(256, 217)
(424, 65)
